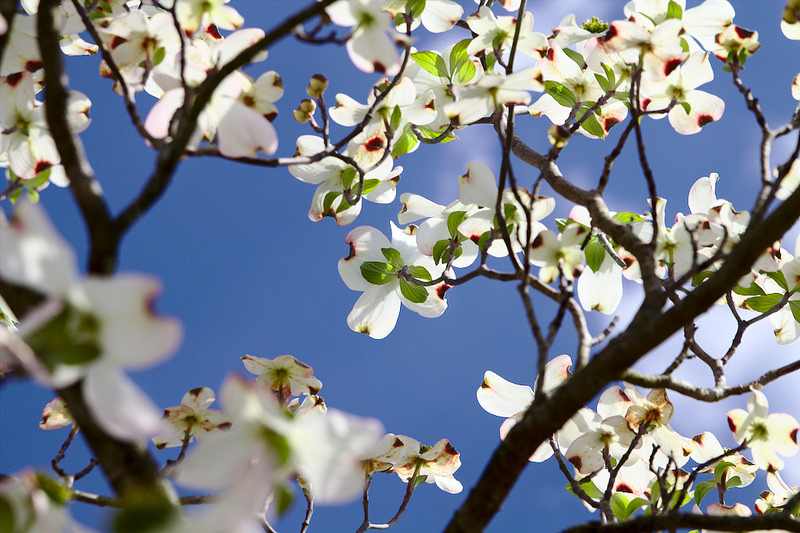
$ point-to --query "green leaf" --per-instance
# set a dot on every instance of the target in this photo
(349, 175)
(509, 210)
(460, 63)
(378, 273)
(419, 480)
(413, 293)
(719, 470)
(440, 250)
(158, 56)
(405, 143)
(699, 278)
(595, 253)
(143, 511)
(589, 488)
(628, 218)
(56, 491)
(635, 505)
(491, 61)
(483, 241)
(702, 489)
(604, 84)
(576, 57)
(612, 79)
(454, 219)
(794, 305)
(7, 520)
(414, 8)
(429, 133)
(397, 116)
(432, 62)
(419, 272)
(370, 185)
(762, 304)
(780, 279)
(674, 10)
(752, 290)
(560, 93)
(70, 338)
(466, 72)
(591, 125)
(619, 505)
(282, 499)
(686, 107)
(281, 449)
(394, 257)
(343, 205)
(735, 481)
(327, 202)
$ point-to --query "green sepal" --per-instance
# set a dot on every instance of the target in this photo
(560, 93)
(413, 293)
(419, 272)
(595, 253)
(762, 304)
(432, 62)
(378, 273)
(394, 257)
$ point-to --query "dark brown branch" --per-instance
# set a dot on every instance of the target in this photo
(688, 521)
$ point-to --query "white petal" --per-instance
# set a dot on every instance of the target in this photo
(500, 397)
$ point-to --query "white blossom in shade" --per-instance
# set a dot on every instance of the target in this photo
(194, 14)
(559, 255)
(326, 448)
(602, 290)
(438, 463)
(611, 437)
(386, 455)
(491, 92)
(240, 131)
(777, 495)
(707, 448)
(497, 33)
(438, 16)
(371, 45)
(284, 374)
(787, 329)
(508, 5)
(335, 178)
(503, 398)
(768, 436)
(389, 267)
(55, 415)
(110, 323)
(478, 188)
(192, 418)
(655, 411)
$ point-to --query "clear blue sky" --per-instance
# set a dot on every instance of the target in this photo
(248, 273)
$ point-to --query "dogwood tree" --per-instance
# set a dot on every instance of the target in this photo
(609, 282)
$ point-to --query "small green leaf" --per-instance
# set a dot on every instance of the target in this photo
(592, 126)
(700, 277)
(429, 133)
(279, 445)
(560, 93)
(343, 205)
(604, 84)
(378, 273)
(327, 202)
(454, 219)
(282, 499)
(794, 305)
(686, 107)
(612, 79)
(509, 210)
(70, 338)
(483, 241)
(349, 175)
(466, 72)
(735, 481)
(459, 55)
(414, 8)
(719, 470)
(56, 491)
(432, 62)
(635, 505)
(619, 505)
(440, 250)
(407, 142)
(702, 489)
(780, 279)
(576, 57)
(491, 61)
(413, 293)
(419, 272)
(394, 257)
(158, 56)
(628, 218)
(397, 116)
(370, 185)
(762, 304)
(419, 480)
(595, 253)
(752, 290)
(674, 10)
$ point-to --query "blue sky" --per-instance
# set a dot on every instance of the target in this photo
(248, 273)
